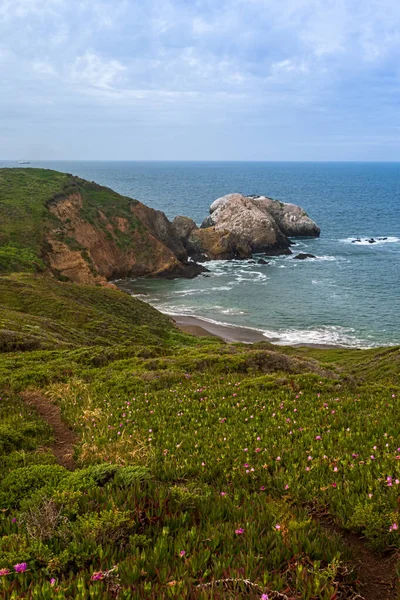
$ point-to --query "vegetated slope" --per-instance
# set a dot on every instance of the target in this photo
(41, 312)
(79, 230)
(198, 460)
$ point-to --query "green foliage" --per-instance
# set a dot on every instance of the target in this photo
(21, 483)
(19, 259)
(184, 443)
(40, 312)
(132, 475)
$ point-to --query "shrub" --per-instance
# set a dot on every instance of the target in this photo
(22, 483)
(131, 475)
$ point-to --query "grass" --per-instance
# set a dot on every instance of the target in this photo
(197, 460)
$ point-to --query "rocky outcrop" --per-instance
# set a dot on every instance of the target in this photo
(251, 224)
(162, 228)
(213, 244)
(291, 219)
(256, 224)
(183, 227)
(90, 246)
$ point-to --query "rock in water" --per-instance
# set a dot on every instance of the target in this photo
(291, 219)
(252, 225)
(258, 222)
(303, 256)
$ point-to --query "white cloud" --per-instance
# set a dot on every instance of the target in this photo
(93, 70)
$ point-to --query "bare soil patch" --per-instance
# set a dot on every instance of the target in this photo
(64, 438)
(377, 576)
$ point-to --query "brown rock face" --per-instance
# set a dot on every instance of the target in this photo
(213, 244)
(158, 224)
(113, 247)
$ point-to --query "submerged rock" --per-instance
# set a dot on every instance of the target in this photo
(262, 261)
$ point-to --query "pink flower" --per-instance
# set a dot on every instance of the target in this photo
(393, 527)
(13, 520)
(278, 458)
(239, 531)
(223, 493)
(97, 576)
(52, 581)
(262, 488)
(318, 437)
(20, 567)
(277, 527)
(182, 553)
(286, 487)
(334, 485)
(265, 597)
(4, 572)
(258, 449)
(372, 457)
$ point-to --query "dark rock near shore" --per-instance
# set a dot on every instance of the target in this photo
(261, 261)
(303, 256)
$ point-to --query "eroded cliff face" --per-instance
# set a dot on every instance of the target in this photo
(109, 246)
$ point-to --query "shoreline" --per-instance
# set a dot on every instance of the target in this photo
(234, 333)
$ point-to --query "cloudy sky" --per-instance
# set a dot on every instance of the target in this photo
(200, 79)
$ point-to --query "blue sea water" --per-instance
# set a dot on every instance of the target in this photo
(348, 295)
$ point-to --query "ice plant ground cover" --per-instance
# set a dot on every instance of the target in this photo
(197, 461)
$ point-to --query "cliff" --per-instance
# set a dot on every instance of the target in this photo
(83, 232)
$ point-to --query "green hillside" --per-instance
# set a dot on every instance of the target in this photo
(201, 469)
(25, 218)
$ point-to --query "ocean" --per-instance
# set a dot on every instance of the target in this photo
(349, 295)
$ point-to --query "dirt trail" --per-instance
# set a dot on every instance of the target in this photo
(377, 574)
(64, 438)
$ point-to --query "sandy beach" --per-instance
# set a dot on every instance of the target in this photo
(229, 333)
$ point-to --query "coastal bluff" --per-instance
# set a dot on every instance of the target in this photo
(86, 233)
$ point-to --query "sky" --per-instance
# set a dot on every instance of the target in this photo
(200, 80)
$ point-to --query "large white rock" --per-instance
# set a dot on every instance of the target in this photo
(251, 223)
(291, 219)
(259, 221)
